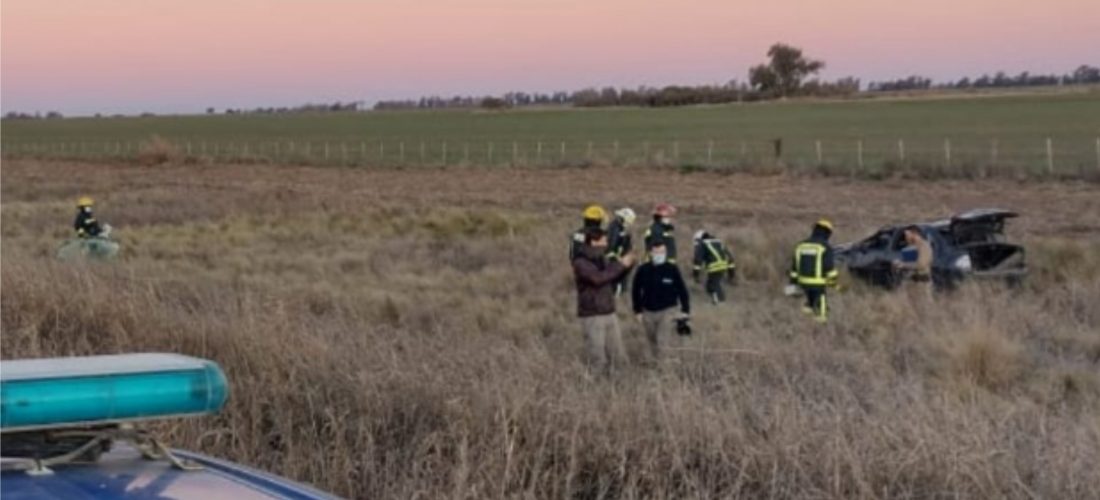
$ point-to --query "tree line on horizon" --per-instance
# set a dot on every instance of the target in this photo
(787, 73)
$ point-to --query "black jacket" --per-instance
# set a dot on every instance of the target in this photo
(659, 287)
(619, 242)
(85, 224)
(805, 266)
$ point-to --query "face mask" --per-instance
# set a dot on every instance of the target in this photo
(659, 258)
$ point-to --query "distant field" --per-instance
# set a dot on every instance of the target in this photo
(1008, 132)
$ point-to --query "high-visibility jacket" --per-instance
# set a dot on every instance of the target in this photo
(814, 264)
(85, 224)
(712, 256)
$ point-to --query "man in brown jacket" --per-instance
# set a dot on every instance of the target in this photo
(595, 277)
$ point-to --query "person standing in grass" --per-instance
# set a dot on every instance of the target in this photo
(619, 241)
(813, 269)
(713, 259)
(657, 291)
(595, 276)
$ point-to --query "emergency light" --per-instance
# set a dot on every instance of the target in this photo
(53, 393)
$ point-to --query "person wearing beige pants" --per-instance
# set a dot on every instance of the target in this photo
(595, 276)
(603, 342)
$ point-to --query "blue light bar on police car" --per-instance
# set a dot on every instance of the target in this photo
(52, 393)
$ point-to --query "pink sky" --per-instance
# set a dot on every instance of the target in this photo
(86, 56)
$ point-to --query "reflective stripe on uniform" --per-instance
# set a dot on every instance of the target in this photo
(720, 263)
(815, 251)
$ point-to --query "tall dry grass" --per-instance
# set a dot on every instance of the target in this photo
(401, 347)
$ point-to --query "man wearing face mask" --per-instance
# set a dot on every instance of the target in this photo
(662, 230)
(658, 289)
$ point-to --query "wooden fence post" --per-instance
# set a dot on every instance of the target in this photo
(901, 150)
(489, 154)
(401, 152)
(710, 151)
(444, 152)
(817, 148)
(466, 152)
(381, 151)
(1098, 152)
(561, 157)
(1050, 156)
(422, 152)
(588, 152)
(947, 152)
(615, 151)
(538, 152)
(676, 150)
(645, 151)
(859, 153)
(515, 153)
(993, 153)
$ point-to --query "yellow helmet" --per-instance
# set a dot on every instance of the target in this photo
(825, 223)
(595, 212)
(85, 201)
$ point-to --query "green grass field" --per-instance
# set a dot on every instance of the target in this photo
(948, 131)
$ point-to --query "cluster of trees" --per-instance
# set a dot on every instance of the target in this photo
(16, 115)
(335, 107)
(785, 74)
(1083, 75)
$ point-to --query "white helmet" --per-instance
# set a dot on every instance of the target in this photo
(699, 235)
(627, 215)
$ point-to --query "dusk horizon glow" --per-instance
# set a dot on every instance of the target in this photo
(82, 57)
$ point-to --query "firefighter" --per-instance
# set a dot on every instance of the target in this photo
(593, 217)
(662, 230)
(813, 269)
(713, 258)
(86, 225)
(619, 241)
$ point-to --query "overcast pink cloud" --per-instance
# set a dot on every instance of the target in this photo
(85, 56)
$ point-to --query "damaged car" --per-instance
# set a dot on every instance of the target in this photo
(971, 244)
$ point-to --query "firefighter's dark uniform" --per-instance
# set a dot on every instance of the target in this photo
(814, 269)
(715, 260)
(619, 243)
(86, 226)
(660, 231)
(576, 240)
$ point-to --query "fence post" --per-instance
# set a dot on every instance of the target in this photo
(444, 153)
(515, 153)
(1098, 152)
(466, 152)
(947, 151)
(901, 150)
(744, 150)
(202, 148)
(645, 151)
(489, 155)
(401, 152)
(381, 151)
(615, 155)
(538, 152)
(993, 152)
(859, 153)
(676, 150)
(588, 152)
(422, 152)
(710, 151)
(817, 149)
(1050, 156)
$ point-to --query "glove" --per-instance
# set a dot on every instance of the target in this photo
(683, 329)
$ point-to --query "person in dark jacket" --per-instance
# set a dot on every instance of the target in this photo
(814, 270)
(595, 276)
(592, 218)
(86, 225)
(713, 259)
(657, 291)
(662, 230)
(620, 242)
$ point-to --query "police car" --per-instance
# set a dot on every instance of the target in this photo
(71, 428)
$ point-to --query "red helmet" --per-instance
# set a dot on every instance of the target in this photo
(664, 210)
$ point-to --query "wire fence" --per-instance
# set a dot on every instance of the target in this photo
(872, 156)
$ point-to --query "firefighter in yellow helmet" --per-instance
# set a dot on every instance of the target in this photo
(593, 218)
(813, 269)
(86, 225)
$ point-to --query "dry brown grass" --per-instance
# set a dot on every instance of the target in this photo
(410, 334)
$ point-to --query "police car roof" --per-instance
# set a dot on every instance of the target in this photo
(123, 473)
